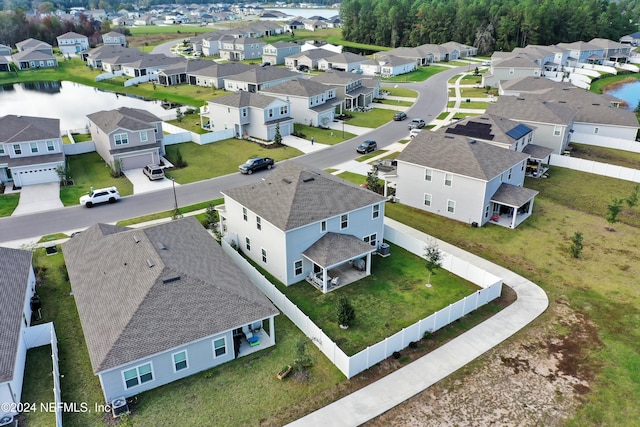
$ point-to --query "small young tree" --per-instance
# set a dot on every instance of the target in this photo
(476, 72)
(63, 173)
(576, 244)
(632, 200)
(433, 255)
(373, 182)
(116, 168)
(346, 312)
(303, 359)
(211, 217)
(277, 139)
(613, 209)
(180, 162)
(179, 115)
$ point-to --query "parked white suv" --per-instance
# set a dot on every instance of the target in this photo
(153, 172)
(101, 195)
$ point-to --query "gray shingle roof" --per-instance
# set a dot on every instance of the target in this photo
(532, 109)
(512, 195)
(457, 154)
(335, 77)
(537, 151)
(15, 265)
(294, 195)
(123, 118)
(488, 127)
(334, 248)
(221, 70)
(532, 84)
(128, 311)
(35, 160)
(299, 87)
(313, 54)
(26, 128)
(32, 55)
(244, 99)
(259, 75)
(346, 58)
(71, 35)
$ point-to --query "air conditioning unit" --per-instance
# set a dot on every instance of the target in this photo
(119, 406)
(6, 420)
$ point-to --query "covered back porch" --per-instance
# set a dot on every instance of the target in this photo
(538, 161)
(511, 205)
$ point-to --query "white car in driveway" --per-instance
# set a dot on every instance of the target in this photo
(101, 195)
(414, 132)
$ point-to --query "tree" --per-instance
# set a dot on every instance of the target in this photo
(179, 115)
(433, 255)
(346, 312)
(373, 182)
(211, 217)
(576, 244)
(613, 209)
(632, 200)
(303, 359)
(180, 162)
(277, 139)
(63, 173)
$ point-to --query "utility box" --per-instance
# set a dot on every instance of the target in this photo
(384, 249)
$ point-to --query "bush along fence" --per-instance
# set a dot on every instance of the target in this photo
(352, 365)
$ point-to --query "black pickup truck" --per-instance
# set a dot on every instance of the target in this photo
(256, 163)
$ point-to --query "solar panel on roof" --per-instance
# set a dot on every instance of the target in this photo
(519, 131)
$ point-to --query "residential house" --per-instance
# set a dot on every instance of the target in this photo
(613, 51)
(114, 38)
(302, 223)
(214, 74)
(31, 59)
(249, 114)
(351, 89)
(334, 22)
(259, 29)
(464, 51)
(307, 58)
(5, 64)
(211, 43)
(5, 50)
(241, 49)
(342, 62)
(312, 103)
(34, 45)
(387, 66)
(162, 303)
(510, 67)
(127, 138)
(258, 78)
(123, 21)
(315, 24)
(109, 54)
(529, 85)
(583, 53)
(421, 55)
(295, 24)
(550, 58)
(149, 64)
(275, 53)
(633, 39)
(30, 150)
(464, 179)
(17, 287)
(144, 20)
(72, 43)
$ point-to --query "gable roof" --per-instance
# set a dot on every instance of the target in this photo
(264, 74)
(346, 58)
(459, 155)
(532, 109)
(123, 118)
(71, 35)
(299, 87)
(26, 128)
(143, 291)
(490, 127)
(335, 77)
(313, 54)
(294, 195)
(243, 98)
(15, 266)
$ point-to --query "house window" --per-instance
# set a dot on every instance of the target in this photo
(244, 112)
(264, 255)
(244, 214)
(376, 212)
(486, 211)
(522, 166)
(270, 114)
(556, 131)
(372, 239)
(34, 147)
(297, 267)
(509, 177)
(180, 361)
(427, 199)
(143, 136)
(219, 347)
(121, 139)
(502, 177)
(259, 223)
(448, 179)
(1, 149)
(451, 206)
(596, 130)
(17, 149)
(323, 226)
(50, 146)
(284, 110)
(138, 375)
(247, 243)
(344, 221)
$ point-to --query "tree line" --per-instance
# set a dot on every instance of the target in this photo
(489, 25)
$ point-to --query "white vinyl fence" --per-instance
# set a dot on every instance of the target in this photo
(177, 135)
(607, 142)
(352, 365)
(45, 334)
(605, 169)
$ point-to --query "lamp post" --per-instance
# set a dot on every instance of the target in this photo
(343, 128)
(176, 212)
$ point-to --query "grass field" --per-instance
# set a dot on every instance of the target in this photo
(371, 119)
(394, 102)
(323, 136)
(472, 92)
(471, 105)
(606, 155)
(400, 91)
(419, 75)
(8, 203)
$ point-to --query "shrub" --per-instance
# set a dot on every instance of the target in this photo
(346, 312)
(397, 355)
(413, 344)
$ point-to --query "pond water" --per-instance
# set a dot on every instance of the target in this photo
(70, 102)
(629, 92)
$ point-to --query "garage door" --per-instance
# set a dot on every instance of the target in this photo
(137, 161)
(35, 176)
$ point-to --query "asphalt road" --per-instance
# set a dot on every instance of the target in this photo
(430, 103)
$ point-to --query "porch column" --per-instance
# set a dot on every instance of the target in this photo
(368, 263)
(513, 218)
(531, 206)
(384, 192)
(324, 280)
(272, 331)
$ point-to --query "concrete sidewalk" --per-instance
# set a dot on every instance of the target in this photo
(382, 395)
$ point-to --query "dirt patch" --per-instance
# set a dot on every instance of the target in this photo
(537, 378)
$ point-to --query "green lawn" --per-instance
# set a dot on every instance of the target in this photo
(190, 122)
(354, 178)
(219, 158)
(394, 102)
(393, 297)
(38, 385)
(90, 170)
(472, 92)
(81, 137)
(50, 237)
(442, 115)
(400, 91)
(471, 105)
(179, 31)
(606, 155)
(8, 203)
(471, 79)
(370, 155)
(371, 119)
(168, 214)
(419, 75)
(323, 136)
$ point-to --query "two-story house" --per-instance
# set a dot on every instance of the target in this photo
(613, 51)
(34, 53)
(346, 61)
(127, 138)
(275, 53)
(510, 67)
(72, 43)
(114, 38)
(350, 87)
(583, 53)
(34, 45)
(161, 303)
(258, 78)
(241, 49)
(249, 114)
(302, 223)
(30, 150)
(308, 58)
(464, 179)
(17, 286)
(312, 103)
(387, 66)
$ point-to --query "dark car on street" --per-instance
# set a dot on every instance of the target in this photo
(367, 146)
(399, 116)
(256, 163)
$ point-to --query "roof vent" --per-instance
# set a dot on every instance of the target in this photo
(170, 279)
(520, 99)
(161, 246)
(286, 180)
(136, 239)
(150, 262)
(596, 104)
(449, 136)
(472, 141)
(562, 102)
(309, 179)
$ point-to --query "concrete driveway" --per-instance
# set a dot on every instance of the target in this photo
(142, 184)
(38, 198)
